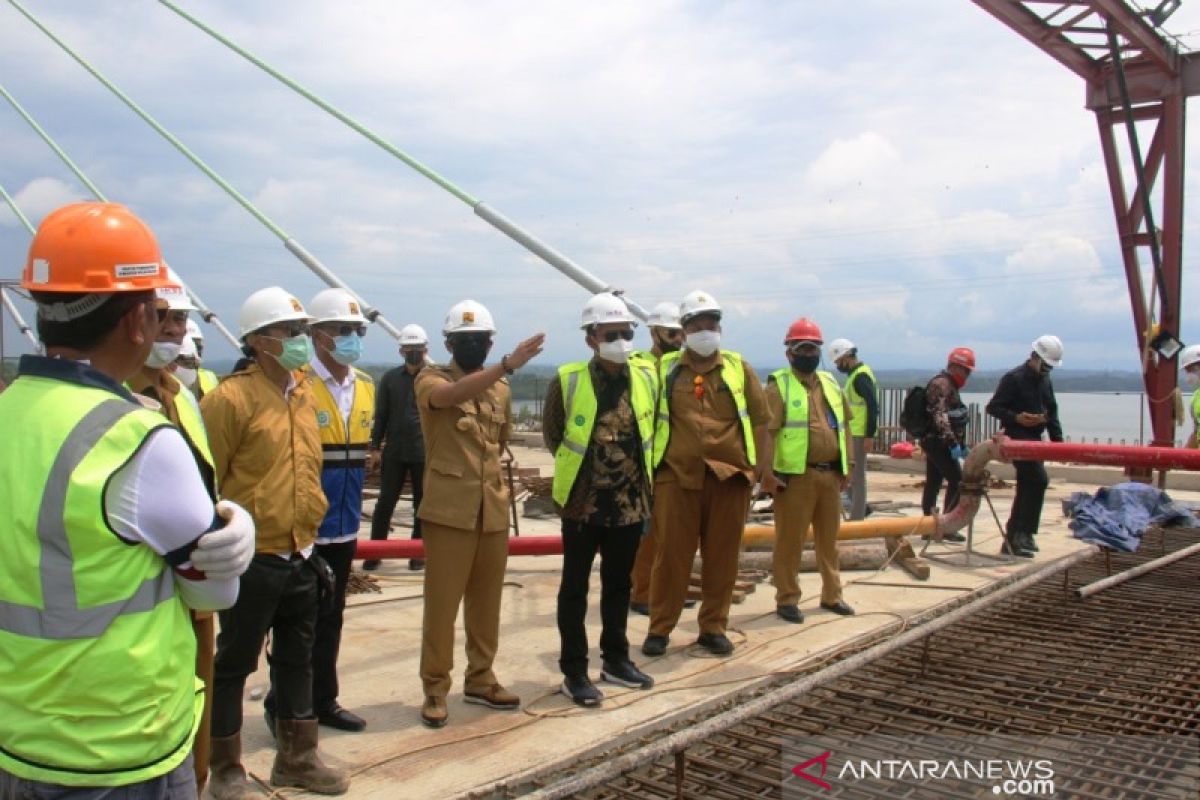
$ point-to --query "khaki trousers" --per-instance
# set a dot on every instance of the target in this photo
(815, 499)
(713, 517)
(643, 565)
(467, 567)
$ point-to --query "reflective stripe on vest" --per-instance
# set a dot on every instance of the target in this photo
(342, 446)
(791, 441)
(733, 374)
(206, 379)
(858, 406)
(579, 404)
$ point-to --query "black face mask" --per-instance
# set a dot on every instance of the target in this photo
(805, 363)
(470, 351)
(845, 369)
(667, 346)
(1044, 369)
(415, 359)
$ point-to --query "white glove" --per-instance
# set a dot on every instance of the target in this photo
(226, 552)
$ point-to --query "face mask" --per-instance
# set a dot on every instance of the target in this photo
(1192, 379)
(843, 367)
(959, 380)
(666, 346)
(414, 359)
(703, 343)
(617, 352)
(297, 351)
(162, 354)
(186, 376)
(347, 349)
(1044, 368)
(469, 352)
(805, 363)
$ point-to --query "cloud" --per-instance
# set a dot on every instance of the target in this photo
(36, 199)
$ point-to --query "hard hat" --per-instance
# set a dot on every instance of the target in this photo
(605, 307)
(804, 330)
(188, 349)
(1189, 356)
(268, 307)
(174, 295)
(696, 303)
(839, 348)
(413, 335)
(336, 305)
(193, 330)
(962, 356)
(468, 316)
(92, 248)
(665, 315)
(1049, 349)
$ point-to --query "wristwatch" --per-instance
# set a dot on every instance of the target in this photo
(504, 365)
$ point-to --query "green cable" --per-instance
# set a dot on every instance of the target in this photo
(13, 205)
(66, 159)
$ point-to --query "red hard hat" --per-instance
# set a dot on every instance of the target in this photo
(963, 356)
(804, 330)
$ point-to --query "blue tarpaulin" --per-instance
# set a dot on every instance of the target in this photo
(1118, 515)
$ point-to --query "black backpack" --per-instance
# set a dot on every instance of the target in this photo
(914, 415)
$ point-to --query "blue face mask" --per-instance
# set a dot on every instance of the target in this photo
(297, 351)
(347, 349)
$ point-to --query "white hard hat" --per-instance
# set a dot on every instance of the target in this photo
(605, 307)
(1189, 356)
(188, 348)
(665, 315)
(268, 307)
(468, 316)
(839, 348)
(698, 302)
(1049, 349)
(193, 330)
(413, 334)
(175, 296)
(336, 305)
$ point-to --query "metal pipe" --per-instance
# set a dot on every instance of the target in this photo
(291, 244)
(494, 218)
(1129, 574)
(415, 548)
(1110, 455)
(764, 535)
(19, 320)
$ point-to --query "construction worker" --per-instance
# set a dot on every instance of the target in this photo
(1189, 362)
(712, 419)
(598, 420)
(185, 368)
(945, 445)
(206, 379)
(666, 335)
(98, 689)
(396, 442)
(807, 467)
(266, 442)
(862, 395)
(466, 414)
(345, 400)
(1024, 403)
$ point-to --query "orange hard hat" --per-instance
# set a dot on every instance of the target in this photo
(962, 356)
(804, 330)
(94, 248)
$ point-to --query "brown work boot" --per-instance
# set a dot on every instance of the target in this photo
(434, 713)
(228, 778)
(297, 763)
(494, 696)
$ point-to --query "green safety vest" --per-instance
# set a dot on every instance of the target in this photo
(1196, 408)
(858, 406)
(206, 379)
(192, 423)
(579, 402)
(734, 375)
(791, 443)
(97, 654)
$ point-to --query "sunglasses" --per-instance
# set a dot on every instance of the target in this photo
(612, 336)
(344, 330)
(294, 329)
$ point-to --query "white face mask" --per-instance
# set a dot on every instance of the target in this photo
(617, 352)
(703, 343)
(186, 376)
(1192, 379)
(162, 353)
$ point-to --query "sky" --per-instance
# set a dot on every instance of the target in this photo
(913, 176)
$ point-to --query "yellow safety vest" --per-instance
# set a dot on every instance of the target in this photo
(188, 412)
(791, 442)
(97, 654)
(206, 379)
(579, 402)
(734, 376)
(342, 443)
(858, 406)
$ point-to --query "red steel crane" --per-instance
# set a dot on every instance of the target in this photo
(1134, 74)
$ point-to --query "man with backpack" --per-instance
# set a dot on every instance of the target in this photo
(945, 438)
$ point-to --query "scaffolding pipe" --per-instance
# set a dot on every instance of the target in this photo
(26, 331)
(485, 212)
(1112, 580)
(310, 261)
(202, 308)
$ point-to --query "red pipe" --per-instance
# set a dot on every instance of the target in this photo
(1109, 454)
(415, 548)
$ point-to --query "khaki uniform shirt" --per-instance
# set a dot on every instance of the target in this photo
(463, 482)
(267, 451)
(158, 386)
(822, 440)
(706, 433)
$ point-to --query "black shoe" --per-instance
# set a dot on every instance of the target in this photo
(371, 564)
(269, 716)
(953, 536)
(1014, 546)
(655, 645)
(791, 614)
(839, 607)
(1030, 542)
(689, 603)
(581, 689)
(716, 643)
(625, 673)
(640, 608)
(416, 564)
(340, 718)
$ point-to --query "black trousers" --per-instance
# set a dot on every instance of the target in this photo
(1026, 513)
(328, 641)
(279, 596)
(390, 484)
(939, 465)
(618, 548)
